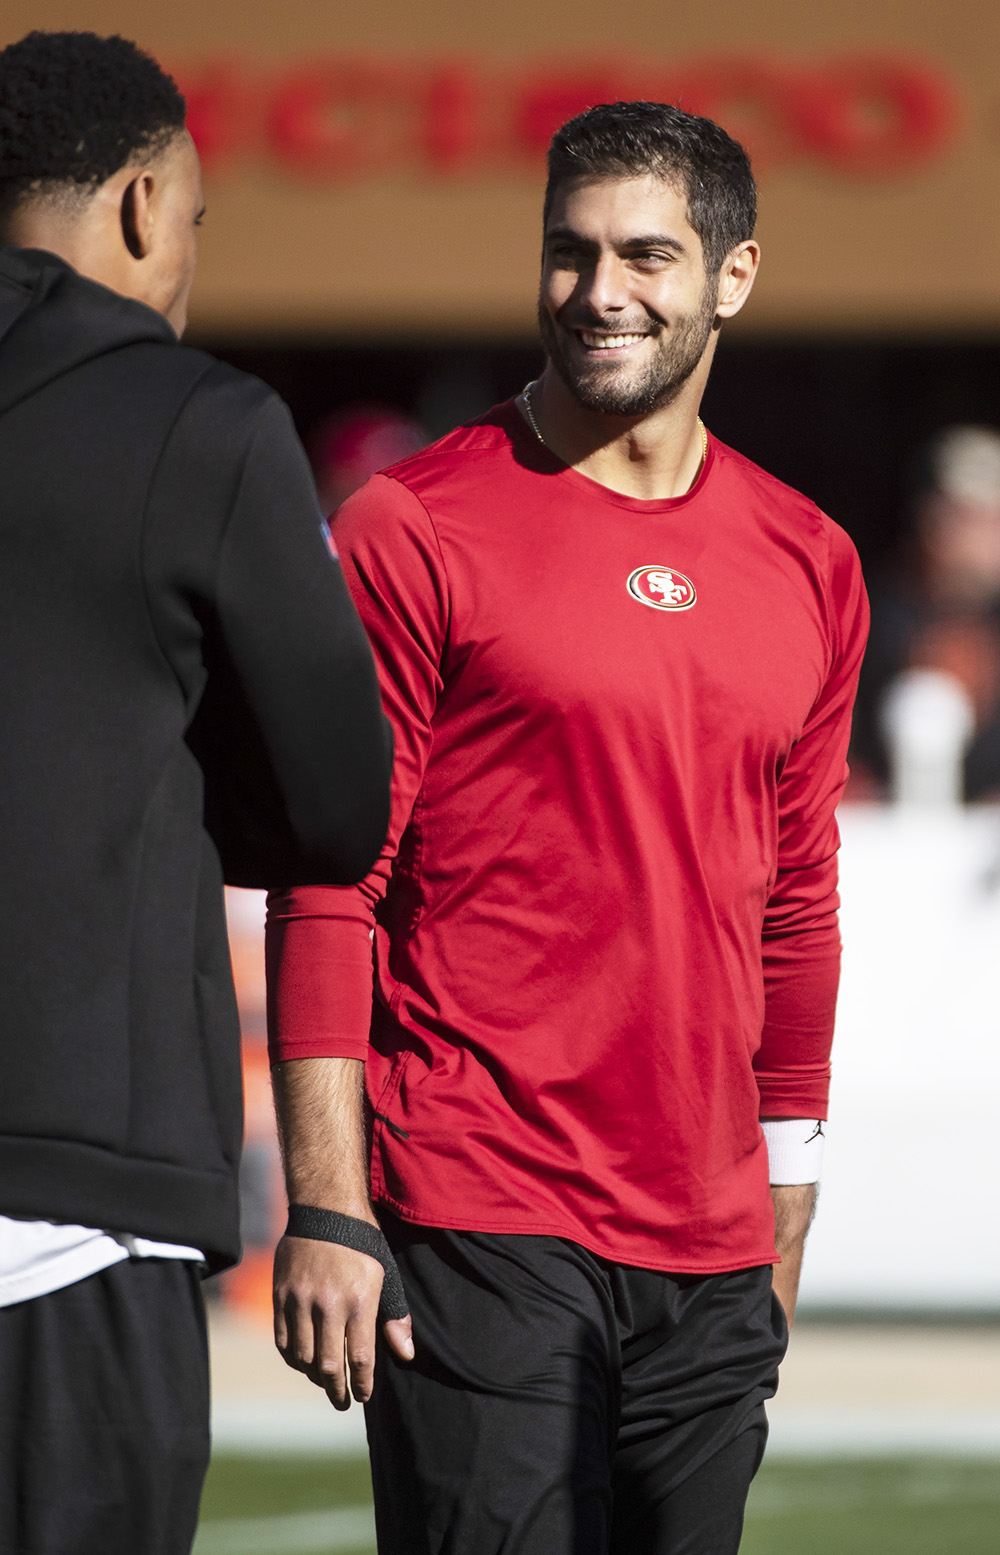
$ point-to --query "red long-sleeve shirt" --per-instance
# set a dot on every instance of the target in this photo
(606, 934)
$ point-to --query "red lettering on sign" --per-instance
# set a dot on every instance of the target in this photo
(543, 105)
(750, 98)
(875, 116)
(340, 118)
(221, 113)
(452, 120)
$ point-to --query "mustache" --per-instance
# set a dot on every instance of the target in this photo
(585, 318)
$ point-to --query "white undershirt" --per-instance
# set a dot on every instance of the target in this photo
(37, 1257)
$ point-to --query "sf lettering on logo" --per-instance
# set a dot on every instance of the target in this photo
(662, 588)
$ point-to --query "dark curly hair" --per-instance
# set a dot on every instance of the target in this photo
(627, 140)
(75, 108)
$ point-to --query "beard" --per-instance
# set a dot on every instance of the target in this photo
(610, 391)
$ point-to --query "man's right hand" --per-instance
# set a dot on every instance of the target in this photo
(326, 1317)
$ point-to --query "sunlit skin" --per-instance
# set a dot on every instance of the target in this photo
(620, 257)
(137, 234)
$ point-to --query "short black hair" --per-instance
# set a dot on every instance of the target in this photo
(628, 140)
(75, 109)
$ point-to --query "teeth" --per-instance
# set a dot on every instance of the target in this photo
(608, 342)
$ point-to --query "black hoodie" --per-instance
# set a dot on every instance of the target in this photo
(185, 693)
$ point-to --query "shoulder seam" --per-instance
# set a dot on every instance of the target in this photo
(434, 450)
(437, 539)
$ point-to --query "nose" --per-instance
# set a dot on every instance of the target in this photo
(603, 286)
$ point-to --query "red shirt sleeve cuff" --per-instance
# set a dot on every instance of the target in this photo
(319, 986)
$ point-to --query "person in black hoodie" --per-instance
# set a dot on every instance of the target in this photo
(186, 697)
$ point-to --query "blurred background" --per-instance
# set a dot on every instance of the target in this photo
(374, 178)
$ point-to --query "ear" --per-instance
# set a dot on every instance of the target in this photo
(739, 269)
(137, 215)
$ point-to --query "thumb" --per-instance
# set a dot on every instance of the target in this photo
(399, 1337)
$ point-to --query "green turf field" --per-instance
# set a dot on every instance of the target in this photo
(913, 1506)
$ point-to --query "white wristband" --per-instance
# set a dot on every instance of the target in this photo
(794, 1150)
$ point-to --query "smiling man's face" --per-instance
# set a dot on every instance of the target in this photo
(625, 307)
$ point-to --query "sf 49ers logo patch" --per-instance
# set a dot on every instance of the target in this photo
(664, 588)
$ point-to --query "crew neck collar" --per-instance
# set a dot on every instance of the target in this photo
(542, 459)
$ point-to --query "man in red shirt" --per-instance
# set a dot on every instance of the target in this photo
(620, 662)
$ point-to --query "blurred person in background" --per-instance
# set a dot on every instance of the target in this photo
(186, 695)
(942, 611)
(620, 662)
(353, 444)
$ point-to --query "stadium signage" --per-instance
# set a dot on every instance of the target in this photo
(351, 118)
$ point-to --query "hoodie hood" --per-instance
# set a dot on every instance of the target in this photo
(53, 319)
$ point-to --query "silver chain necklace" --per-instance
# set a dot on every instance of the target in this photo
(526, 398)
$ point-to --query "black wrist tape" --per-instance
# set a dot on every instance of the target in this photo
(327, 1225)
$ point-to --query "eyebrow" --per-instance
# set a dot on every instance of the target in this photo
(642, 240)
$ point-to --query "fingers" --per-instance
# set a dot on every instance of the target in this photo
(360, 1349)
(328, 1370)
(399, 1337)
(325, 1315)
(282, 1331)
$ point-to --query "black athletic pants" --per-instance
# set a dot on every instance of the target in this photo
(560, 1404)
(104, 1414)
